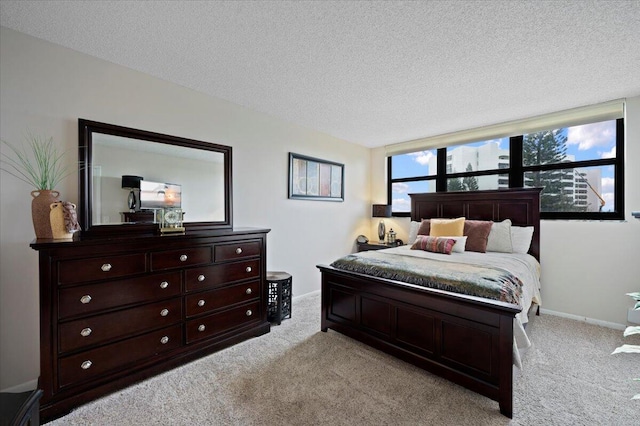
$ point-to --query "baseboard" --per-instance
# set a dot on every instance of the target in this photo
(27, 386)
(607, 324)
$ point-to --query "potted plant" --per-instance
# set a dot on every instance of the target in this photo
(39, 164)
(628, 332)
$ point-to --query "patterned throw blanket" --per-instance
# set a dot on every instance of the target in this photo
(474, 280)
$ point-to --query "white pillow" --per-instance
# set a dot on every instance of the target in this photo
(521, 238)
(499, 239)
(413, 232)
(459, 246)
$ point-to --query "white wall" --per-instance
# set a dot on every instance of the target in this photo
(587, 266)
(45, 88)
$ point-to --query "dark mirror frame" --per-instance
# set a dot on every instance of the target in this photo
(87, 128)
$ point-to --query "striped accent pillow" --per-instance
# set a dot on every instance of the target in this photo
(434, 244)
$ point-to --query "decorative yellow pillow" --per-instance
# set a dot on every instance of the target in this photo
(447, 227)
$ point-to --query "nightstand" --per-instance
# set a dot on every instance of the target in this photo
(375, 245)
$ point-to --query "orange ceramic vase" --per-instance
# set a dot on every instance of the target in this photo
(40, 211)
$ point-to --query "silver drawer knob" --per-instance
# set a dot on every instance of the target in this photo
(85, 332)
(106, 267)
(200, 302)
(248, 269)
(201, 327)
(164, 284)
(248, 290)
(164, 312)
(85, 299)
(238, 250)
(249, 313)
(164, 340)
(85, 365)
(201, 278)
(183, 258)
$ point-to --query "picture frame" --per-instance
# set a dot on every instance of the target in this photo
(315, 179)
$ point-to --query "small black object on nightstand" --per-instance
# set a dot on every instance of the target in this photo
(279, 304)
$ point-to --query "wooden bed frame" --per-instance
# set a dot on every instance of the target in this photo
(465, 339)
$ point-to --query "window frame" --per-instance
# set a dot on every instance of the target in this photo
(516, 172)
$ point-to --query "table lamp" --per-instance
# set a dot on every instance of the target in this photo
(131, 182)
(381, 210)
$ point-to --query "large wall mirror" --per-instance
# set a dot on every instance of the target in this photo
(118, 163)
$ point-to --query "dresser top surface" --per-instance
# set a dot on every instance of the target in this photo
(79, 240)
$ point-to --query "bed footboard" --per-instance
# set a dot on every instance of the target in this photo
(464, 339)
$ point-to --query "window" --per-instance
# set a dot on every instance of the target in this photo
(580, 169)
(411, 173)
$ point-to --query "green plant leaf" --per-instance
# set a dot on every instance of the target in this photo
(38, 164)
(629, 349)
(635, 296)
(631, 330)
(637, 307)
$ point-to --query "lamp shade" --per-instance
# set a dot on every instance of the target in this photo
(381, 210)
(129, 181)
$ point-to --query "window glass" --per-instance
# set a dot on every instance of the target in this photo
(472, 157)
(584, 189)
(400, 201)
(422, 163)
(578, 143)
(476, 183)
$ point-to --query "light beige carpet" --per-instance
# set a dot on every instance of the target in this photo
(297, 375)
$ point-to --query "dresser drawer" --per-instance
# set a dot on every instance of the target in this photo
(207, 277)
(239, 250)
(200, 303)
(92, 298)
(202, 328)
(180, 258)
(89, 364)
(100, 329)
(81, 270)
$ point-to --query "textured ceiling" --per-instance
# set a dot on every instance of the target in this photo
(373, 73)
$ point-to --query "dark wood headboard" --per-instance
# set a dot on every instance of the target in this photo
(522, 206)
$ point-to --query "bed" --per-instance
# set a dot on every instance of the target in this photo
(467, 339)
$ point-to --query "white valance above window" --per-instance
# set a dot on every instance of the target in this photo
(572, 117)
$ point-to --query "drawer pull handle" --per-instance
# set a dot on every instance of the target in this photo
(201, 302)
(164, 284)
(106, 267)
(85, 332)
(201, 327)
(164, 340)
(248, 269)
(183, 258)
(164, 312)
(238, 250)
(249, 312)
(201, 278)
(248, 290)
(85, 299)
(85, 365)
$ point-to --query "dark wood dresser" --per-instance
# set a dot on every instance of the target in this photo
(114, 311)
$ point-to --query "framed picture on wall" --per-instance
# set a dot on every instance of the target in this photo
(314, 179)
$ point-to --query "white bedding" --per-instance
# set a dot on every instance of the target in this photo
(523, 266)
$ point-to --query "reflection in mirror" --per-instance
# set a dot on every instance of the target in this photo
(200, 175)
(192, 175)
